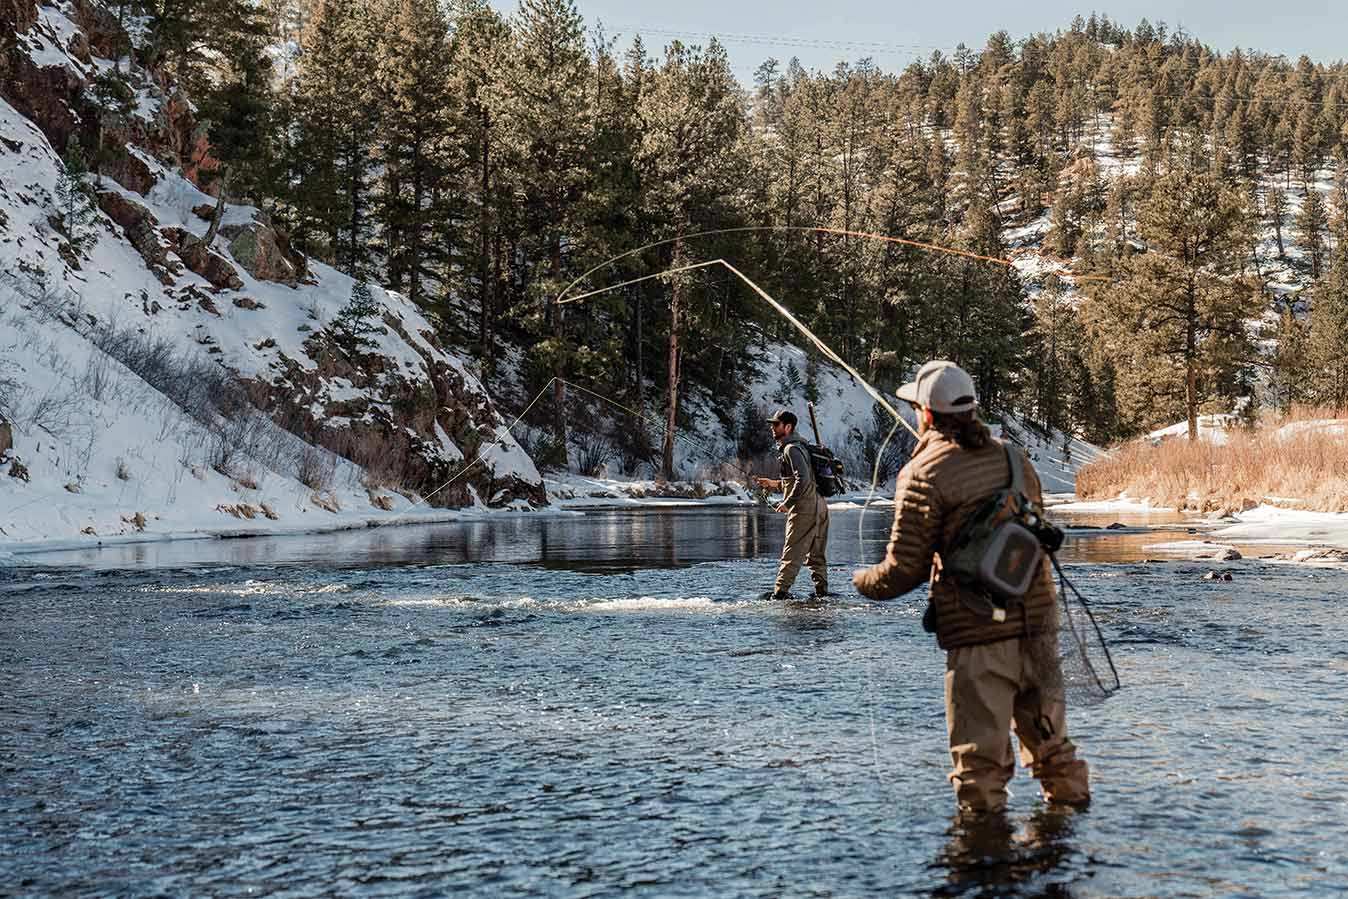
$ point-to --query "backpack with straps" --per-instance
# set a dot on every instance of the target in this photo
(998, 551)
(828, 470)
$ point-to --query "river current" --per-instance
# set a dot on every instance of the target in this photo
(600, 705)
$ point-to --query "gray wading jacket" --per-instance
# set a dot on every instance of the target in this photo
(798, 476)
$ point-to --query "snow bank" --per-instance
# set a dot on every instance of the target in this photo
(1268, 524)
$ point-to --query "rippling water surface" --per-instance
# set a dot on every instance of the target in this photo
(600, 706)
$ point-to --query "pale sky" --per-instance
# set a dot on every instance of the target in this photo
(894, 32)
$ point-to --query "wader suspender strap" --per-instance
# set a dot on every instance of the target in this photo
(1017, 466)
(1017, 471)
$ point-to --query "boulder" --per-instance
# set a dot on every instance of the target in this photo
(264, 253)
(141, 230)
(130, 171)
(204, 261)
(78, 47)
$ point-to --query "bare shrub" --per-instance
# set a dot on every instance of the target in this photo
(41, 295)
(1298, 460)
(97, 378)
(53, 411)
(198, 386)
(593, 453)
(315, 468)
(9, 392)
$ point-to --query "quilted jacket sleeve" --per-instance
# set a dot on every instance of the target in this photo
(913, 540)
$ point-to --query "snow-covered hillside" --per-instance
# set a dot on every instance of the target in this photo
(153, 384)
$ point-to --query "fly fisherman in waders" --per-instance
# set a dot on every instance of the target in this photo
(806, 511)
(1002, 668)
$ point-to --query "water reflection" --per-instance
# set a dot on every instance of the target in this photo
(985, 856)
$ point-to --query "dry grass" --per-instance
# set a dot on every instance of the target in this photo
(1295, 468)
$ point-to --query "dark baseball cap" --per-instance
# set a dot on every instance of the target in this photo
(784, 416)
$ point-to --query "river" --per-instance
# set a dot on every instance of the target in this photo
(599, 705)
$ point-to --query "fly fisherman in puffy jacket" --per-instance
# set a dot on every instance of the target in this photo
(806, 511)
(1001, 676)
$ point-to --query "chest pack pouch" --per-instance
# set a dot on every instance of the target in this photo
(999, 550)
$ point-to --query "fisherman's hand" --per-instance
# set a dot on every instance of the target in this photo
(861, 579)
(782, 507)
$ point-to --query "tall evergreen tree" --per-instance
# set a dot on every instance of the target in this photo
(1312, 223)
(417, 143)
(549, 110)
(1329, 334)
(691, 123)
(1179, 311)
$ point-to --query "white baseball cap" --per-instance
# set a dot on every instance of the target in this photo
(941, 386)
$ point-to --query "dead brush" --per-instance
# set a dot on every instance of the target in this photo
(1298, 460)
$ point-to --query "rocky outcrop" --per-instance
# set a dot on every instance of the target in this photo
(194, 253)
(393, 431)
(141, 230)
(102, 35)
(6, 436)
(130, 171)
(48, 96)
(265, 253)
(16, 17)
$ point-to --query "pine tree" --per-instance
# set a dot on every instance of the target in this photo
(1178, 314)
(691, 127)
(358, 319)
(76, 213)
(1329, 334)
(236, 102)
(1276, 207)
(416, 142)
(549, 111)
(336, 119)
(1312, 223)
(479, 48)
(115, 100)
(1289, 365)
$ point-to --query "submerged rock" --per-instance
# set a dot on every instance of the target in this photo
(1217, 576)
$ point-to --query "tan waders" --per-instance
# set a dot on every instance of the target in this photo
(991, 689)
(806, 541)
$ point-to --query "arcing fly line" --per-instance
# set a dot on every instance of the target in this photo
(841, 232)
(798, 325)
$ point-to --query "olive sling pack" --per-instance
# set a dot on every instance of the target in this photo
(997, 552)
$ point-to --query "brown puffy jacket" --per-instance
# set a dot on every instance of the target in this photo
(941, 486)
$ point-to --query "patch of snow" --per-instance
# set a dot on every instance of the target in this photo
(1215, 429)
(1269, 524)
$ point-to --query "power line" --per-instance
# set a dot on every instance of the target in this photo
(790, 41)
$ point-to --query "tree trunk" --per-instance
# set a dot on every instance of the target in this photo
(219, 207)
(353, 193)
(484, 253)
(414, 228)
(1191, 368)
(672, 391)
(558, 387)
(641, 369)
